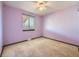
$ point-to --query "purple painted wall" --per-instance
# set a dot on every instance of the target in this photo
(13, 26)
(0, 27)
(63, 25)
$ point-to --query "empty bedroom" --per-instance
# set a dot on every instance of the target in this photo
(39, 28)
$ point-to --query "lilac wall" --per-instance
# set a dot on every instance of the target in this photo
(13, 26)
(63, 25)
(0, 27)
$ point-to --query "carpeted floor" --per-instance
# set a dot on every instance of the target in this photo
(40, 47)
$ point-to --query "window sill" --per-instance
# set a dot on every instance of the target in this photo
(29, 30)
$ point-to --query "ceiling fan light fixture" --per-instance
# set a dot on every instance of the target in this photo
(42, 5)
(42, 8)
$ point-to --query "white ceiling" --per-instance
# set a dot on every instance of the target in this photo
(53, 6)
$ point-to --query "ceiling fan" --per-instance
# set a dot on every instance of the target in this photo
(41, 5)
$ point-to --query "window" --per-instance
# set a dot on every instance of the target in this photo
(28, 23)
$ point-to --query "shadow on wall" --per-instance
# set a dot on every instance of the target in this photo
(0, 27)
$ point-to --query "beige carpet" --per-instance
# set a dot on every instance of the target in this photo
(40, 47)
